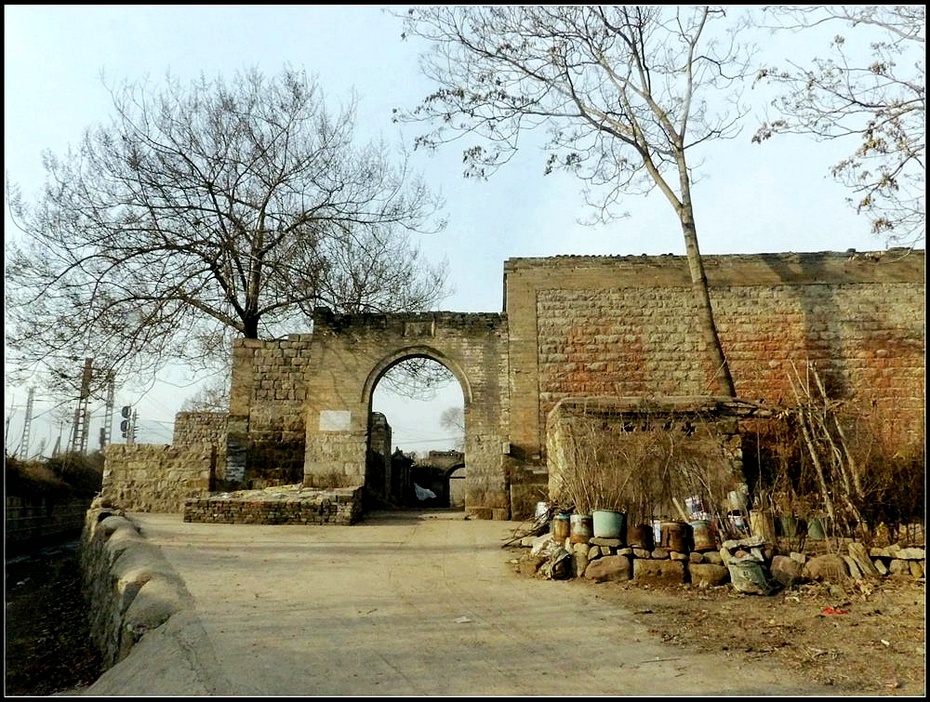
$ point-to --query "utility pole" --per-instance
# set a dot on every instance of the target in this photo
(27, 424)
(6, 426)
(79, 436)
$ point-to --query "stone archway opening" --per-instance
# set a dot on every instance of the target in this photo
(456, 477)
(416, 433)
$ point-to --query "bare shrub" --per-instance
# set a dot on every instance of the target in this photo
(644, 464)
(64, 475)
(835, 458)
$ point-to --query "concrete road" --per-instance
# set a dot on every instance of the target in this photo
(404, 603)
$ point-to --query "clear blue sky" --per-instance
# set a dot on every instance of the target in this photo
(750, 198)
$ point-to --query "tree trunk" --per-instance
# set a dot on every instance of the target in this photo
(250, 327)
(705, 311)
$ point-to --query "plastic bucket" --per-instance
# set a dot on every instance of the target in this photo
(609, 524)
(657, 531)
(703, 535)
(560, 527)
(737, 500)
(695, 507)
(580, 528)
(789, 527)
(738, 526)
(815, 529)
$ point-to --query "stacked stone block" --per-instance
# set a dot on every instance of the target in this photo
(267, 410)
(33, 520)
(157, 477)
(290, 505)
(129, 586)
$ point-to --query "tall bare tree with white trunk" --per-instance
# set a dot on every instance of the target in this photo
(627, 96)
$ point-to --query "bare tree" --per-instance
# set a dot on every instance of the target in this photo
(453, 419)
(213, 396)
(207, 211)
(626, 94)
(878, 105)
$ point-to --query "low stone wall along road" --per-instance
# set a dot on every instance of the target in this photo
(402, 603)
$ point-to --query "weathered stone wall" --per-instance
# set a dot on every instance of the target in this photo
(285, 505)
(34, 520)
(627, 326)
(267, 418)
(200, 428)
(129, 586)
(157, 477)
(584, 327)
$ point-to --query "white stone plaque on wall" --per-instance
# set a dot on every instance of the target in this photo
(333, 420)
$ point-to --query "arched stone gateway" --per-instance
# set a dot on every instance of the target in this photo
(349, 354)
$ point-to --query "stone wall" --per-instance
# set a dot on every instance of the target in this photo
(192, 428)
(34, 520)
(267, 411)
(612, 444)
(282, 505)
(157, 477)
(626, 326)
(573, 327)
(129, 586)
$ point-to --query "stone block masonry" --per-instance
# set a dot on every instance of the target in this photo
(265, 443)
(130, 588)
(157, 477)
(278, 505)
(626, 326)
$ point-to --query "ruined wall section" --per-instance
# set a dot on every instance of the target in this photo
(627, 326)
(203, 428)
(156, 477)
(265, 440)
(634, 439)
(200, 428)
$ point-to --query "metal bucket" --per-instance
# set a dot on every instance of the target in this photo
(816, 529)
(581, 528)
(738, 500)
(640, 536)
(675, 536)
(560, 527)
(702, 535)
